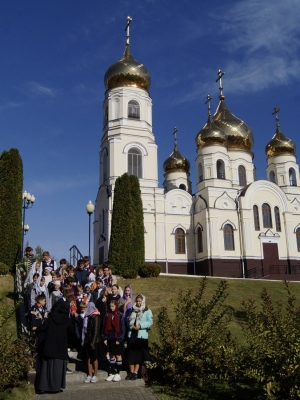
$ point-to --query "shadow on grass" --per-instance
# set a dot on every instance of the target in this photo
(12, 296)
(240, 315)
(188, 393)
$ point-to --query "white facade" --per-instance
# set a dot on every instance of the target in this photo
(232, 226)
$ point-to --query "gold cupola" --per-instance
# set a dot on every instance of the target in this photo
(239, 134)
(210, 134)
(176, 161)
(280, 144)
(127, 71)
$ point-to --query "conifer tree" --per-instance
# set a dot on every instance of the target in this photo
(11, 185)
(127, 247)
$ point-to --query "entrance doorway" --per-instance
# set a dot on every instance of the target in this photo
(271, 256)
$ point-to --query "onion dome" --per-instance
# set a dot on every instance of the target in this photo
(239, 134)
(127, 72)
(176, 161)
(280, 144)
(210, 134)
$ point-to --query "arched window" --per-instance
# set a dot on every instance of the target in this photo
(200, 172)
(292, 176)
(135, 162)
(228, 237)
(182, 187)
(272, 177)
(179, 241)
(199, 240)
(133, 109)
(242, 176)
(298, 238)
(277, 219)
(104, 166)
(256, 218)
(220, 169)
(266, 215)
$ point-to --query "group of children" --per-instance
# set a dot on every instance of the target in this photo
(100, 312)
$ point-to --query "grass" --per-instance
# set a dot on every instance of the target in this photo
(161, 291)
(7, 297)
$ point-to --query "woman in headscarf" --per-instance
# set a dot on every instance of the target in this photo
(55, 351)
(91, 340)
(139, 322)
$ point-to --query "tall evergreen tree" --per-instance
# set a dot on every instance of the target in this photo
(127, 245)
(11, 185)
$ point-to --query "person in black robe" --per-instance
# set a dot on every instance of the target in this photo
(55, 350)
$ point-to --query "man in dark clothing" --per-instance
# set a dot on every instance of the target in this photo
(81, 275)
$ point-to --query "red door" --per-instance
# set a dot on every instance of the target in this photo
(271, 256)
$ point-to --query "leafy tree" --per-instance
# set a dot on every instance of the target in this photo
(11, 184)
(127, 246)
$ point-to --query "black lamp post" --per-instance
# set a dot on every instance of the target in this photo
(28, 200)
(90, 209)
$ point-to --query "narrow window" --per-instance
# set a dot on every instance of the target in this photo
(200, 240)
(103, 222)
(104, 166)
(277, 219)
(256, 218)
(298, 238)
(200, 172)
(135, 162)
(133, 109)
(272, 177)
(182, 187)
(266, 215)
(242, 176)
(220, 169)
(179, 241)
(228, 237)
(292, 176)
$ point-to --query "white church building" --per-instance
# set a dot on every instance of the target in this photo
(234, 225)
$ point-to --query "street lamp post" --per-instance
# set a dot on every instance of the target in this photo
(90, 209)
(28, 200)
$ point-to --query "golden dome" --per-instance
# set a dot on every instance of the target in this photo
(127, 72)
(239, 134)
(210, 135)
(280, 144)
(176, 162)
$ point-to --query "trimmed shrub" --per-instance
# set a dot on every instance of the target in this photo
(127, 243)
(4, 270)
(11, 184)
(129, 274)
(150, 270)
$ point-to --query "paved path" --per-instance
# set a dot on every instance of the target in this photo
(91, 392)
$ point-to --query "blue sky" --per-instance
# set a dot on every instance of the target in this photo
(54, 57)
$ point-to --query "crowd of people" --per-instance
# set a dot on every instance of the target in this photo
(82, 308)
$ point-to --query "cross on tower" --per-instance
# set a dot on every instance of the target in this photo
(175, 138)
(208, 103)
(276, 111)
(220, 74)
(129, 19)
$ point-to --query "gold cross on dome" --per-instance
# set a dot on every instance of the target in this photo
(275, 112)
(129, 19)
(208, 103)
(220, 75)
(175, 138)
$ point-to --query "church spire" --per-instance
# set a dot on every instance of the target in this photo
(220, 75)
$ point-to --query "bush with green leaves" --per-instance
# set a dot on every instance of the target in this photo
(149, 270)
(271, 359)
(195, 345)
(15, 355)
(4, 270)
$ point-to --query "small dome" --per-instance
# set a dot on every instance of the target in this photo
(211, 135)
(239, 134)
(176, 162)
(280, 145)
(127, 72)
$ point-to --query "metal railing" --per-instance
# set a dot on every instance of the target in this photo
(75, 255)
